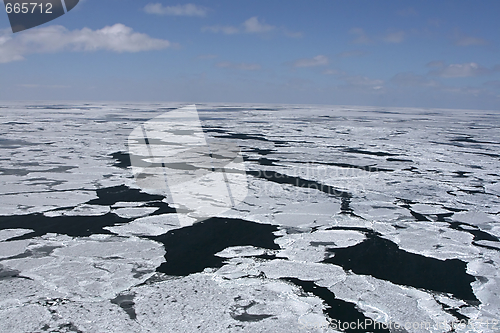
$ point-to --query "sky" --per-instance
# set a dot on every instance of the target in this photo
(432, 54)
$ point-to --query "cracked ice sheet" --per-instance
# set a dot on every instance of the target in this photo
(487, 288)
(9, 249)
(310, 247)
(431, 239)
(80, 210)
(97, 267)
(380, 300)
(205, 303)
(422, 136)
(26, 203)
(152, 225)
(383, 301)
(59, 141)
(285, 205)
(380, 210)
(134, 212)
(387, 302)
(480, 219)
(11, 233)
(32, 306)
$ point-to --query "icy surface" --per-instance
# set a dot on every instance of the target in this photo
(82, 247)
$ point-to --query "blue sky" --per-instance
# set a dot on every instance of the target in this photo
(385, 53)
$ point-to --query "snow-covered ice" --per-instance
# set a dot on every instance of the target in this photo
(83, 248)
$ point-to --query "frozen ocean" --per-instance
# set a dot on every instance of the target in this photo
(355, 219)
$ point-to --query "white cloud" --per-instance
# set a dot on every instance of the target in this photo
(434, 22)
(361, 36)
(228, 30)
(5, 36)
(292, 34)
(435, 64)
(241, 66)
(350, 54)
(252, 25)
(461, 39)
(52, 86)
(331, 72)
(493, 84)
(394, 37)
(407, 12)
(117, 38)
(207, 56)
(179, 10)
(319, 60)
(461, 70)
(361, 84)
(358, 80)
(464, 90)
(469, 41)
(411, 80)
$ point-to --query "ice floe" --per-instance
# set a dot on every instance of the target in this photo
(84, 248)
